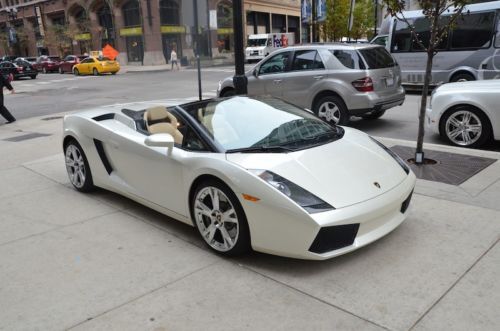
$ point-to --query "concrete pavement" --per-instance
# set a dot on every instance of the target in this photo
(102, 262)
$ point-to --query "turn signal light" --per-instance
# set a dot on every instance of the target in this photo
(250, 197)
(363, 84)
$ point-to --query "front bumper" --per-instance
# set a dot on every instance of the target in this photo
(254, 57)
(291, 235)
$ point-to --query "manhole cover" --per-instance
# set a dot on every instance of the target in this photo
(450, 168)
(27, 137)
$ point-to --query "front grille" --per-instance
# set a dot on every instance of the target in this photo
(406, 203)
(334, 237)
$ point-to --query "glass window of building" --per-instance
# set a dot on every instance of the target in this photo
(169, 12)
(131, 13)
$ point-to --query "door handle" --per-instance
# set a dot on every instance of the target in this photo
(277, 81)
(318, 77)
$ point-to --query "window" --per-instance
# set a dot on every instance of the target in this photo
(307, 60)
(402, 37)
(473, 31)
(276, 64)
(192, 142)
(497, 38)
(131, 13)
(169, 12)
(349, 58)
(377, 58)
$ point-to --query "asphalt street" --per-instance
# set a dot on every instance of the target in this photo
(55, 93)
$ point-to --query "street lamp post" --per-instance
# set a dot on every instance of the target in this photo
(239, 80)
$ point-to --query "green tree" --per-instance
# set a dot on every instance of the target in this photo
(363, 19)
(337, 17)
(438, 29)
(60, 37)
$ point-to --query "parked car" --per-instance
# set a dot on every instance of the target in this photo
(466, 113)
(96, 66)
(246, 172)
(47, 64)
(336, 81)
(18, 69)
(69, 61)
(31, 60)
(8, 58)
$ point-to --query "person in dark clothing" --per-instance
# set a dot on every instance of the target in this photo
(4, 111)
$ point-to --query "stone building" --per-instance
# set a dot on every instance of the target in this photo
(143, 31)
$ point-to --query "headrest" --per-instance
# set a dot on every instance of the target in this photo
(159, 114)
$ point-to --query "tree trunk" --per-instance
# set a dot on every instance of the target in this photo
(419, 158)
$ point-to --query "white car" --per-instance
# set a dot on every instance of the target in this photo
(466, 113)
(246, 172)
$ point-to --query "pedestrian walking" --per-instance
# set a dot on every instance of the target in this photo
(173, 59)
(4, 111)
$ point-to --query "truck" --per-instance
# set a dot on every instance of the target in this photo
(261, 45)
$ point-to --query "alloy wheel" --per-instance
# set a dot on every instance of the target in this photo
(75, 166)
(463, 128)
(329, 112)
(216, 219)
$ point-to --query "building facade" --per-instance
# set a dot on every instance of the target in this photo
(143, 31)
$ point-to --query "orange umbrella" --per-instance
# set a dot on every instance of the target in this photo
(109, 52)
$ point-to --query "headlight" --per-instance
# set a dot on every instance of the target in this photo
(311, 203)
(261, 52)
(219, 86)
(394, 155)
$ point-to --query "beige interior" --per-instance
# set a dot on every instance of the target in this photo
(159, 120)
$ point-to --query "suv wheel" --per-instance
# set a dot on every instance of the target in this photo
(332, 110)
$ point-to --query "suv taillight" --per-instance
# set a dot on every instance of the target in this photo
(19, 69)
(363, 84)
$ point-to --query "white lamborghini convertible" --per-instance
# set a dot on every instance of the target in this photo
(246, 172)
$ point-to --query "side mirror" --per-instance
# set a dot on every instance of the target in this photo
(160, 140)
(255, 72)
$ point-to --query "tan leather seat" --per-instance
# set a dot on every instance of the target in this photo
(159, 120)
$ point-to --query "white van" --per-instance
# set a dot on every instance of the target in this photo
(261, 45)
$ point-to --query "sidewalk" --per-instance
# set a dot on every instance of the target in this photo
(100, 261)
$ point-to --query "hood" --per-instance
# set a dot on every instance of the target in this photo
(471, 85)
(341, 173)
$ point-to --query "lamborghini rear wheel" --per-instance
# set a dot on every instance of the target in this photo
(220, 219)
(77, 167)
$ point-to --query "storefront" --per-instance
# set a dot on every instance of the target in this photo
(171, 37)
(132, 32)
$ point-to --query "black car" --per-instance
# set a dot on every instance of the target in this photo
(8, 58)
(18, 69)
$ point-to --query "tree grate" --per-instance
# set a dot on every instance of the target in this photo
(451, 168)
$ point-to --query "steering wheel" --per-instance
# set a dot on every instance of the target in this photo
(275, 68)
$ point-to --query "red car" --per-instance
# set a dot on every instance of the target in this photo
(69, 61)
(46, 63)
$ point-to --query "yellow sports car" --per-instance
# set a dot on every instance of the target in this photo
(96, 66)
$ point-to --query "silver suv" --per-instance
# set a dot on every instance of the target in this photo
(336, 81)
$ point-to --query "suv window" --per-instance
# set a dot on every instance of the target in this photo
(276, 64)
(377, 58)
(307, 60)
(349, 58)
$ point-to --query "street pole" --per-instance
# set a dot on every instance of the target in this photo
(350, 21)
(313, 21)
(197, 45)
(239, 80)
(376, 18)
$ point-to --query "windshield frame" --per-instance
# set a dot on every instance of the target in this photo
(186, 109)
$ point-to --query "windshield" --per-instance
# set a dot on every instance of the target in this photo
(260, 124)
(257, 42)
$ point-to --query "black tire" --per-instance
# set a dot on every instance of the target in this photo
(87, 184)
(113, 73)
(373, 115)
(462, 77)
(337, 108)
(228, 93)
(33, 76)
(95, 72)
(76, 72)
(242, 244)
(483, 137)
